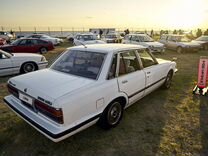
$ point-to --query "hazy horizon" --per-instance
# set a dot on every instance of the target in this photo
(159, 14)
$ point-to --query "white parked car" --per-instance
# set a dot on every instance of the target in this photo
(86, 85)
(144, 40)
(20, 63)
(180, 43)
(54, 40)
(85, 39)
(7, 36)
(112, 38)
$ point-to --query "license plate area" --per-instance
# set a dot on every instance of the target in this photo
(26, 98)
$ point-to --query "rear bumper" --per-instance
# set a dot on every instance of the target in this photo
(52, 131)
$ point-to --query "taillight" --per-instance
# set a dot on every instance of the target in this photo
(55, 114)
(12, 90)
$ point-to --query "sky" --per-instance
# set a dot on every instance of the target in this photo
(170, 14)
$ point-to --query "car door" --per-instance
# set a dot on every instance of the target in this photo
(131, 79)
(6, 66)
(154, 72)
(21, 47)
(172, 44)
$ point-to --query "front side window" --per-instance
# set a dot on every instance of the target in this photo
(80, 63)
(146, 58)
(128, 62)
(145, 38)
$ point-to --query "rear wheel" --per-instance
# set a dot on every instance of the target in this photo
(179, 50)
(168, 80)
(43, 50)
(28, 67)
(112, 115)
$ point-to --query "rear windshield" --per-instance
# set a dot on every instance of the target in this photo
(80, 63)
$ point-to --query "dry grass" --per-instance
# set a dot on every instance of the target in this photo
(166, 122)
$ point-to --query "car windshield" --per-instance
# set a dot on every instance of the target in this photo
(202, 38)
(111, 36)
(80, 63)
(145, 39)
(87, 37)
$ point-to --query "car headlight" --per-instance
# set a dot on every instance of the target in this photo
(43, 59)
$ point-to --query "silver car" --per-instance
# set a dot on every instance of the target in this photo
(180, 43)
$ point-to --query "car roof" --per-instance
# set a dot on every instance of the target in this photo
(139, 34)
(172, 35)
(106, 48)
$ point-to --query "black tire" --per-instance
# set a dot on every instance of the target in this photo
(179, 50)
(168, 80)
(111, 116)
(43, 50)
(28, 67)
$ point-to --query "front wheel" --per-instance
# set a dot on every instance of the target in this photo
(28, 67)
(168, 80)
(111, 116)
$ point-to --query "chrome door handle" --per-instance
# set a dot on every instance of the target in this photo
(124, 81)
(148, 72)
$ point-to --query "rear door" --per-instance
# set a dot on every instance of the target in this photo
(131, 79)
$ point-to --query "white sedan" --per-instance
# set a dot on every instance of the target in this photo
(20, 63)
(86, 85)
(144, 40)
(85, 39)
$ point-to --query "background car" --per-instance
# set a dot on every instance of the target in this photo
(203, 41)
(144, 40)
(29, 45)
(2, 41)
(86, 85)
(7, 36)
(180, 43)
(112, 38)
(87, 38)
(54, 40)
(20, 63)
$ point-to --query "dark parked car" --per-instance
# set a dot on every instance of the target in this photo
(29, 46)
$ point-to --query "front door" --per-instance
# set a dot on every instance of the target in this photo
(153, 71)
(131, 78)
